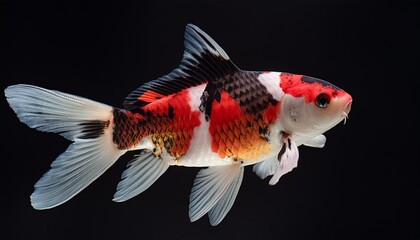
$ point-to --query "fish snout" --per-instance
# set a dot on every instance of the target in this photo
(347, 107)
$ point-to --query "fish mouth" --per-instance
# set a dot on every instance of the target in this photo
(346, 111)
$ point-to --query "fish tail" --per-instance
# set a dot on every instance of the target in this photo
(88, 124)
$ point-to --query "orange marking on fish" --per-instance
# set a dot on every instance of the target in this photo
(234, 133)
(271, 113)
(150, 96)
(173, 122)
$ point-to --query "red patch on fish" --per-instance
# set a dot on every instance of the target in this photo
(150, 96)
(294, 85)
(235, 133)
(271, 113)
(172, 122)
(223, 113)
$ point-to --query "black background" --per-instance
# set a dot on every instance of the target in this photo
(363, 184)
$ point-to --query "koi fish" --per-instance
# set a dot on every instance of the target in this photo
(206, 113)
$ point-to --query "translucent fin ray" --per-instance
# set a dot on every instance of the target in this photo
(223, 206)
(140, 174)
(203, 60)
(209, 187)
(316, 142)
(266, 168)
(76, 168)
(46, 110)
(86, 122)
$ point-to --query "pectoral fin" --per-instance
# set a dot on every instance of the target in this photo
(317, 142)
(288, 158)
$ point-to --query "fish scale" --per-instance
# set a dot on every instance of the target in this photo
(126, 132)
(238, 139)
(252, 95)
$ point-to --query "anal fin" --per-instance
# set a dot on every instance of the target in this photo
(140, 174)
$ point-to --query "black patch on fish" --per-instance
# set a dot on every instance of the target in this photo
(171, 114)
(92, 129)
(308, 79)
(282, 151)
(126, 130)
(243, 87)
(201, 63)
(263, 131)
(168, 142)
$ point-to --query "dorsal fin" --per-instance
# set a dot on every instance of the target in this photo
(203, 60)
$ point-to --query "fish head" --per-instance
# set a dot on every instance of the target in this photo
(311, 106)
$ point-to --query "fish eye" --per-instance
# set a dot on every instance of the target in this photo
(322, 100)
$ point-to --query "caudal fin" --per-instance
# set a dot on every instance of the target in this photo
(85, 122)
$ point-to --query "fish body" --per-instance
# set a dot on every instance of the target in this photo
(205, 113)
(185, 130)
